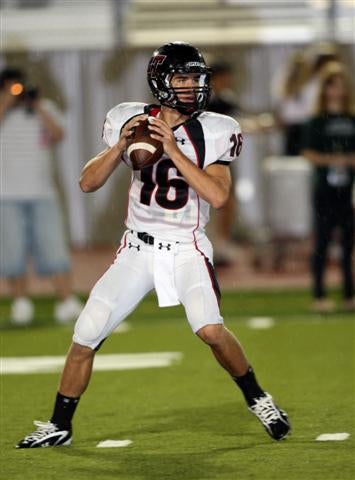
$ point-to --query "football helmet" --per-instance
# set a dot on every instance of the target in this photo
(178, 57)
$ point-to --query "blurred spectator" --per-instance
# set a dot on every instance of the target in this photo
(329, 143)
(295, 90)
(30, 213)
(223, 100)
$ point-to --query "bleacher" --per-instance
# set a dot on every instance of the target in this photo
(150, 22)
(146, 23)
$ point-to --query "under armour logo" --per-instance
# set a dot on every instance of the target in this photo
(167, 246)
(180, 140)
(131, 245)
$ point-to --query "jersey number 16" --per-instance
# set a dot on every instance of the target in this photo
(164, 184)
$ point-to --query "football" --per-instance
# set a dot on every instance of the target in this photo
(142, 149)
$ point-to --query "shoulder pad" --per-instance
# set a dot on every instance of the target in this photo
(214, 121)
(124, 111)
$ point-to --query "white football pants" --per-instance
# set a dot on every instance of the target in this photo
(179, 272)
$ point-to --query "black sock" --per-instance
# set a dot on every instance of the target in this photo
(249, 386)
(64, 409)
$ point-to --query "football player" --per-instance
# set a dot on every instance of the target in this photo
(164, 247)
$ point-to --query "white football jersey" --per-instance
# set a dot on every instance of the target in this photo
(161, 203)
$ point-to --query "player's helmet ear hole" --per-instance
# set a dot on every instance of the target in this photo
(178, 57)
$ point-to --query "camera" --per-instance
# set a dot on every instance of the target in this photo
(25, 91)
(30, 93)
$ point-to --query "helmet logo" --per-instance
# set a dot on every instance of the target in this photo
(155, 62)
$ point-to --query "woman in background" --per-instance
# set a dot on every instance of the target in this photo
(295, 90)
(329, 143)
(291, 111)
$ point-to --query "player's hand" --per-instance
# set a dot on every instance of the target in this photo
(160, 130)
(127, 131)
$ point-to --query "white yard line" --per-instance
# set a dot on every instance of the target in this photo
(332, 437)
(260, 323)
(114, 443)
(121, 361)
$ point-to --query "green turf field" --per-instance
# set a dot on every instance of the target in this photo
(189, 421)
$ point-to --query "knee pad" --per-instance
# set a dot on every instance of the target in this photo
(91, 325)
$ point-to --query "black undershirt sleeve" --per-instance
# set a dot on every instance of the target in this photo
(221, 162)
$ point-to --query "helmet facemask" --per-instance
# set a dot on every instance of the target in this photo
(169, 95)
(199, 93)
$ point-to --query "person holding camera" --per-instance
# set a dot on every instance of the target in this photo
(30, 213)
(329, 144)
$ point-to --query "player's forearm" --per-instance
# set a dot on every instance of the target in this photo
(211, 188)
(98, 169)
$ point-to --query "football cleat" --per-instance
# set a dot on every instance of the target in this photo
(46, 435)
(272, 417)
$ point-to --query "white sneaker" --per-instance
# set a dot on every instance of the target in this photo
(22, 311)
(323, 305)
(67, 310)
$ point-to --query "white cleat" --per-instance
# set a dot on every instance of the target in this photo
(46, 435)
(274, 419)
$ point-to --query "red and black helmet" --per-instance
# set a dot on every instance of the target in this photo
(172, 58)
